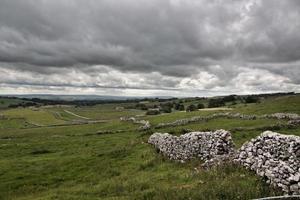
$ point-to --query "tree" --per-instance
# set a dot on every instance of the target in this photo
(141, 106)
(166, 109)
(152, 112)
(251, 99)
(229, 98)
(200, 106)
(181, 107)
(215, 103)
(176, 106)
(191, 108)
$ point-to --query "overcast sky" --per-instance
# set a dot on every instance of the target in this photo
(149, 47)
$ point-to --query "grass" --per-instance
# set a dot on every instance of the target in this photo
(5, 102)
(288, 104)
(38, 117)
(170, 117)
(74, 162)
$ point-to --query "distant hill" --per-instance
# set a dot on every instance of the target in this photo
(81, 97)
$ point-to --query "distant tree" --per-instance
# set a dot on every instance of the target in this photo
(141, 106)
(200, 106)
(191, 108)
(233, 103)
(177, 106)
(229, 98)
(166, 109)
(215, 103)
(181, 107)
(152, 112)
(168, 104)
(251, 99)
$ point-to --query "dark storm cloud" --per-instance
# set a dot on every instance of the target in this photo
(151, 44)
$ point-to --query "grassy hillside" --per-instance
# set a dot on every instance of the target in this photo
(78, 161)
(5, 102)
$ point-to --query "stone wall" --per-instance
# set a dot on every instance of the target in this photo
(276, 157)
(145, 125)
(203, 145)
(228, 115)
(271, 155)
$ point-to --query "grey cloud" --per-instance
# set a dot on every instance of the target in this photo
(181, 41)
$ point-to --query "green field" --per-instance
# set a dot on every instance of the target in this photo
(48, 153)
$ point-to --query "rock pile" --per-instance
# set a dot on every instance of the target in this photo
(203, 145)
(276, 157)
(145, 124)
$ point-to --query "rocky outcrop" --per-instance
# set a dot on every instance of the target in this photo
(276, 157)
(145, 125)
(203, 145)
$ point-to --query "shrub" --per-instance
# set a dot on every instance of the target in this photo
(152, 112)
(181, 107)
(141, 106)
(166, 109)
(215, 103)
(200, 106)
(229, 98)
(251, 99)
(191, 107)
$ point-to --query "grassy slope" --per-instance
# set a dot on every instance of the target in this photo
(272, 105)
(5, 102)
(75, 162)
(38, 117)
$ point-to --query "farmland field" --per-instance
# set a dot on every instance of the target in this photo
(87, 152)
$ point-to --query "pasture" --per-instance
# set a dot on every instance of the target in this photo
(48, 153)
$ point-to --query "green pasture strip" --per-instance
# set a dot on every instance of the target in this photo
(50, 164)
(287, 104)
(222, 123)
(14, 123)
(5, 102)
(100, 114)
(35, 116)
(170, 117)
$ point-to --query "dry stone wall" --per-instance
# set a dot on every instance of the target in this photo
(203, 145)
(276, 157)
(145, 125)
(271, 155)
(289, 116)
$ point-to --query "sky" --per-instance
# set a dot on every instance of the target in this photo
(149, 47)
